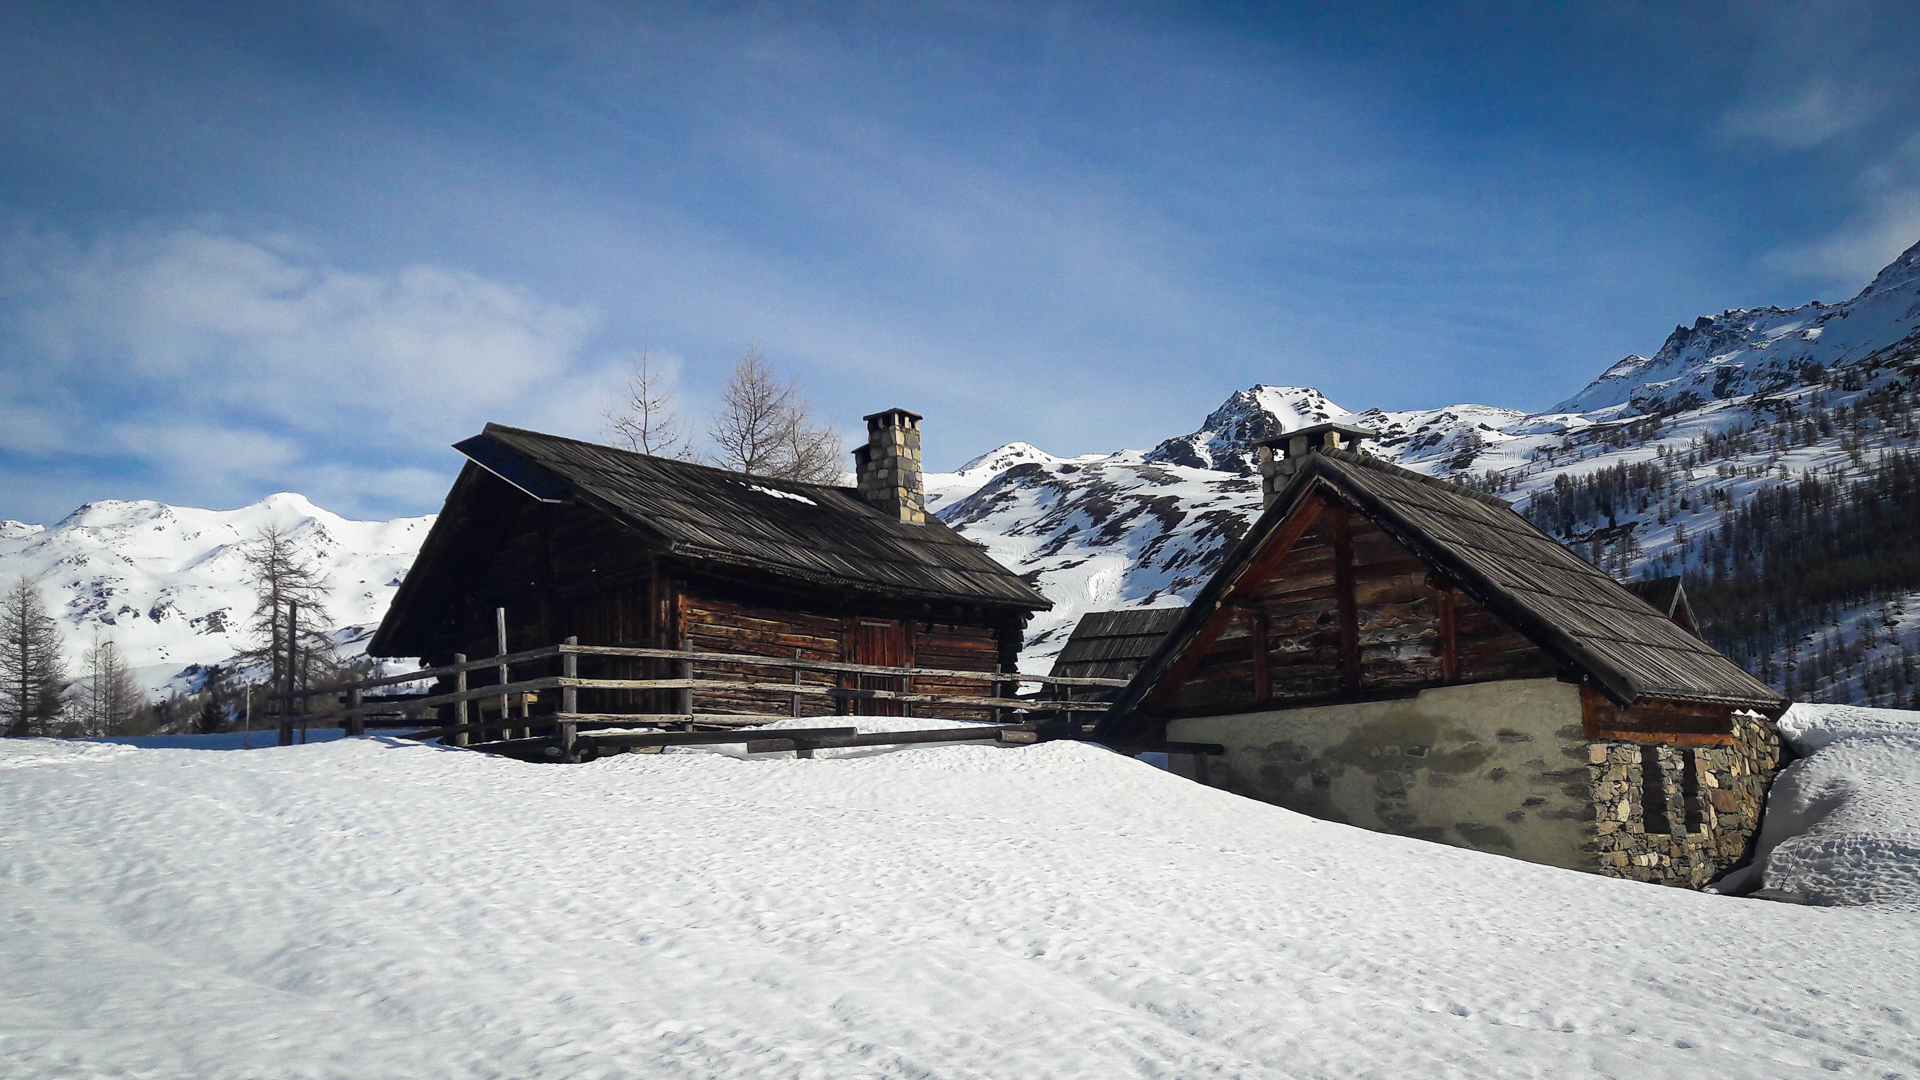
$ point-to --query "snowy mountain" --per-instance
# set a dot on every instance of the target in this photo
(1637, 470)
(1764, 350)
(167, 584)
(1642, 471)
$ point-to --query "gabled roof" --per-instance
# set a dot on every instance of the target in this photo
(1665, 595)
(1113, 644)
(1527, 578)
(815, 534)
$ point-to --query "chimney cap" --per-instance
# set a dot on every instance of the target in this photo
(885, 414)
(1345, 431)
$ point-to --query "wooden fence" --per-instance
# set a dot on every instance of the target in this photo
(567, 722)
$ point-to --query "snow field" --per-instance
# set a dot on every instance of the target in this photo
(377, 908)
(1843, 823)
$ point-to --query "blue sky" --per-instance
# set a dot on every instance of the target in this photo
(264, 247)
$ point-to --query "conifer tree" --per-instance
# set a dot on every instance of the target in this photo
(32, 668)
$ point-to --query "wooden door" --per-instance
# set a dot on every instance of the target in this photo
(882, 642)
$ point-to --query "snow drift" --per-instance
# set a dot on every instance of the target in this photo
(370, 907)
(1843, 822)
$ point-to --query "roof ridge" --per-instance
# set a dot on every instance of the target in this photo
(1388, 467)
(731, 474)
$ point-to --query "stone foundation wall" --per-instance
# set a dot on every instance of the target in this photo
(1711, 812)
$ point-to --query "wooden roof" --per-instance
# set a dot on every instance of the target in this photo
(1527, 578)
(1667, 595)
(1113, 644)
(812, 534)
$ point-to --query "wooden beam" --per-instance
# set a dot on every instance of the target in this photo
(1444, 599)
(1280, 542)
(774, 743)
(709, 738)
(1342, 528)
(1673, 738)
(1262, 688)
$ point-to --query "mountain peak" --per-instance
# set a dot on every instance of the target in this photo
(1225, 440)
(1901, 272)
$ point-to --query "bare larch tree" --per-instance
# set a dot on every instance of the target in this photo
(766, 428)
(33, 673)
(109, 700)
(645, 418)
(282, 577)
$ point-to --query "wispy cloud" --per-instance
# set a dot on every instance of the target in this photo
(229, 361)
(1802, 117)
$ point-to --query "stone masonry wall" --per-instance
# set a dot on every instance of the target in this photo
(1710, 821)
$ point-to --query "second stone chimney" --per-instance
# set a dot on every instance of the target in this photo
(887, 468)
(1280, 452)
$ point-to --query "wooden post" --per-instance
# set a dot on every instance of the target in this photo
(569, 703)
(905, 686)
(1449, 637)
(460, 708)
(686, 672)
(1344, 589)
(1262, 685)
(500, 633)
(796, 682)
(286, 702)
(356, 723)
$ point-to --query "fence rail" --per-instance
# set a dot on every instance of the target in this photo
(567, 720)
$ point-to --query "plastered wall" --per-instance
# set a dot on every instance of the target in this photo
(1496, 766)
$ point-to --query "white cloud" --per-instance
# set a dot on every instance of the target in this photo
(1853, 255)
(1801, 118)
(236, 359)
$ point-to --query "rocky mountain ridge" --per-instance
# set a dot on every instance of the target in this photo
(1728, 407)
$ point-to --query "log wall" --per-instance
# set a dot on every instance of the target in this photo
(1348, 612)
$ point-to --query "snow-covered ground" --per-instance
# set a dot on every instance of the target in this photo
(376, 908)
(1843, 823)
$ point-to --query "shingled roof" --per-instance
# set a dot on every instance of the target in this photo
(1665, 594)
(1529, 579)
(1113, 644)
(813, 533)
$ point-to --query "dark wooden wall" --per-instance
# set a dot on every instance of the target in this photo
(1347, 613)
(562, 570)
(875, 637)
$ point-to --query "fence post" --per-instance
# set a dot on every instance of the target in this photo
(356, 723)
(500, 633)
(460, 707)
(569, 703)
(686, 694)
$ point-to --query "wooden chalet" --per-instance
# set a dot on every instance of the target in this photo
(575, 539)
(1113, 645)
(1403, 654)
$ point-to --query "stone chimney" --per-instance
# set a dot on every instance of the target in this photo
(888, 467)
(1280, 453)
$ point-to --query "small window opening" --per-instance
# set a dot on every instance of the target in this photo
(1653, 791)
(1690, 790)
